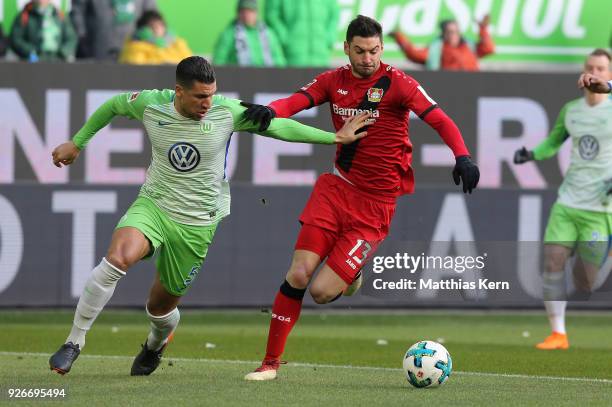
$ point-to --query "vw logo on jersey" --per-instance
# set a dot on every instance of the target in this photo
(184, 156)
(588, 146)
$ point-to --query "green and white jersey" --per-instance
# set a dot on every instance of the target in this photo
(186, 177)
(590, 131)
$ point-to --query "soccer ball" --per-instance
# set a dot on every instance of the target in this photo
(427, 364)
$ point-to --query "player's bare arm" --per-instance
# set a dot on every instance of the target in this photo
(594, 83)
(350, 131)
(65, 154)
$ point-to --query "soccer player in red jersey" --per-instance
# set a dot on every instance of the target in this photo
(349, 211)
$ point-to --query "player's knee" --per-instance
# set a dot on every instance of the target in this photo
(158, 309)
(299, 274)
(553, 264)
(119, 261)
(320, 298)
(555, 257)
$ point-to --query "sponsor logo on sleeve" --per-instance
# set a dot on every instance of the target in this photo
(309, 84)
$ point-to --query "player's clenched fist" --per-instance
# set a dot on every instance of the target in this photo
(348, 133)
(522, 156)
(65, 154)
(593, 83)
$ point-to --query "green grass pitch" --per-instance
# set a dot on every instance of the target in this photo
(334, 360)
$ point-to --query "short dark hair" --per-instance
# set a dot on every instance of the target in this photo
(363, 26)
(194, 69)
(147, 17)
(600, 52)
(445, 23)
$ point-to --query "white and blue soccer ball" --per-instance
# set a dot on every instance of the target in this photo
(427, 364)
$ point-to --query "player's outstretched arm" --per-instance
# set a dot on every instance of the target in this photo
(287, 107)
(130, 105)
(99, 119)
(290, 130)
(296, 132)
(68, 152)
(594, 84)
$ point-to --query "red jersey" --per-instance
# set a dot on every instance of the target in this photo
(380, 162)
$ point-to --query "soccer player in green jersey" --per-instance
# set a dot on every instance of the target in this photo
(580, 219)
(184, 197)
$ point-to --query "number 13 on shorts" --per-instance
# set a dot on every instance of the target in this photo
(364, 251)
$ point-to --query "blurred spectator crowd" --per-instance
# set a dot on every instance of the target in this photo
(128, 31)
(294, 33)
(285, 33)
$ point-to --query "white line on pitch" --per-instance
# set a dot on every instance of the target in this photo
(317, 365)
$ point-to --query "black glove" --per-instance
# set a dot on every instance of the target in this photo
(522, 156)
(467, 172)
(259, 114)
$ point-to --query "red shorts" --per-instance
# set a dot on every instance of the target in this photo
(344, 224)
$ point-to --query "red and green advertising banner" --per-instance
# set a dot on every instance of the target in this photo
(554, 31)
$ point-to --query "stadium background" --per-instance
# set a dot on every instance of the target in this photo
(55, 224)
(526, 33)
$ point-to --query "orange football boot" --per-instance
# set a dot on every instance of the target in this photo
(555, 341)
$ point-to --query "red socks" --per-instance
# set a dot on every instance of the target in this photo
(285, 313)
